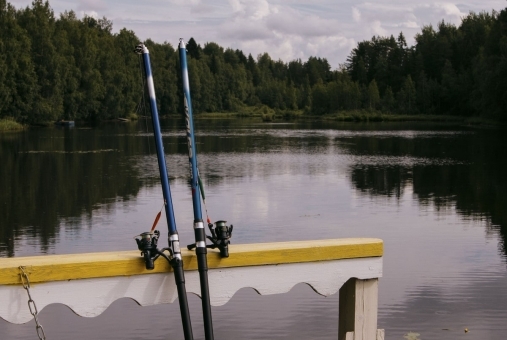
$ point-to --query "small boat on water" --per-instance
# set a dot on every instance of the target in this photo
(65, 123)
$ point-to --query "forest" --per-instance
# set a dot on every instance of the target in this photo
(70, 68)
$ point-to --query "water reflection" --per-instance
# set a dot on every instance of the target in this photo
(50, 175)
(465, 173)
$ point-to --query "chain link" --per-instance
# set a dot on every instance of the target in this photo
(31, 304)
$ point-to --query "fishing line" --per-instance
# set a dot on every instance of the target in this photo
(203, 197)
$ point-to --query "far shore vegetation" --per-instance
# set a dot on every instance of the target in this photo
(65, 68)
(9, 124)
(347, 116)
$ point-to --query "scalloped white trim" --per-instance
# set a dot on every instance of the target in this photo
(91, 297)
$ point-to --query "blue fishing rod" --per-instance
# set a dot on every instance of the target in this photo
(200, 234)
(148, 241)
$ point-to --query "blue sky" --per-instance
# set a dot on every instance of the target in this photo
(287, 29)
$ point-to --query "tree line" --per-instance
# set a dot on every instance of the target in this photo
(69, 68)
(450, 70)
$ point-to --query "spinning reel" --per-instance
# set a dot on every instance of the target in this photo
(220, 237)
(147, 244)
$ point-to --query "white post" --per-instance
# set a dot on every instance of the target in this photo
(358, 310)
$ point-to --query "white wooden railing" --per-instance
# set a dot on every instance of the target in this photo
(89, 283)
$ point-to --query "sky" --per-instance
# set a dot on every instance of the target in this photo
(287, 30)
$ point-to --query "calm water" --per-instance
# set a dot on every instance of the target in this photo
(436, 195)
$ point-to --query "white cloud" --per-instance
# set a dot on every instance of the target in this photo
(202, 8)
(390, 17)
(251, 9)
(92, 14)
(236, 5)
(356, 14)
(376, 28)
(291, 22)
(87, 5)
(185, 2)
(450, 9)
(244, 30)
(408, 24)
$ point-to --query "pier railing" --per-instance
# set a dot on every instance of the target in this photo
(89, 283)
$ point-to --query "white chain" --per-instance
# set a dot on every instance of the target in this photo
(31, 304)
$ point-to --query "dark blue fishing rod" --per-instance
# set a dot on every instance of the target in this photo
(148, 242)
(200, 234)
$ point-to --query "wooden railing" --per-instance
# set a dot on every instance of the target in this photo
(89, 283)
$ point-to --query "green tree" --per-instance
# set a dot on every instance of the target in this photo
(490, 70)
(19, 86)
(129, 71)
(193, 50)
(407, 97)
(39, 23)
(165, 65)
(319, 99)
(388, 101)
(425, 94)
(65, 30)
(373, 95)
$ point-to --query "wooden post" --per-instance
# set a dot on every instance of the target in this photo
(358, 310)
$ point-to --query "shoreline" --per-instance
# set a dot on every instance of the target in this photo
(10, 125)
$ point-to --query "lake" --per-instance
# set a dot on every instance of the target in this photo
(435, 193)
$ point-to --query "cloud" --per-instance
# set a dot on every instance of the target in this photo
(244, 31)
(389, 18)
(408, 24)
(202, 9)
(356, 14)
(190, 3)
(291, 22)
(436, 12)
(91, 14)
(91, 5)
(236, 5)
(251, 9)
(376, 28)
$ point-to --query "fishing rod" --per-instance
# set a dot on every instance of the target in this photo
(200, 234)
(148, 242)
(222, 233)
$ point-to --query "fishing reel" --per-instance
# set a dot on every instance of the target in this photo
(220, 237)
(147, 244)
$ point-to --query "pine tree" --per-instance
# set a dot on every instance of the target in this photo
(193, 50)
(373, 95)
(388, 101)
(407, 97)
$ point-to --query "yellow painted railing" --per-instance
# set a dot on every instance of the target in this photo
(351, 266)
(125, 263)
